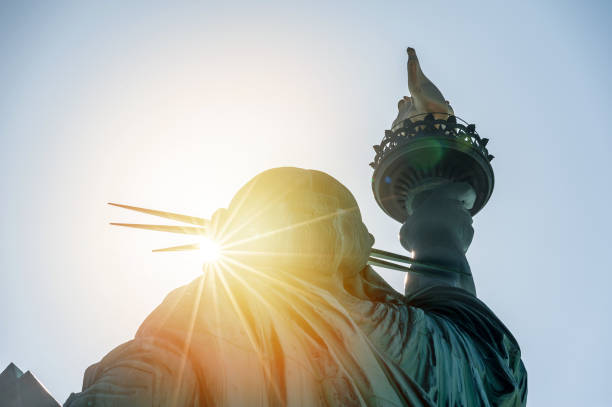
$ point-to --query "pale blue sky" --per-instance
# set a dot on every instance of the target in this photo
(175, 107)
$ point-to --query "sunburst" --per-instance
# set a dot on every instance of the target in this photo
(214, 249)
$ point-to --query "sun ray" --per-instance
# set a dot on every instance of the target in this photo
(272, 309)
(290, 227)
(270, 277)
(293, 289)
(261, 253)
(186, 230)
(217, 326)
(235, 211)
(255, 215)
(307, 314)
(246, 284)
(250, 335)
(307, 295)
(165, 317)
(193, 220)
(194, 313)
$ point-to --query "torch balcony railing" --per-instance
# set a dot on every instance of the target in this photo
(426, 125)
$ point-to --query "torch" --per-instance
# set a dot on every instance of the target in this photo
(427, 150)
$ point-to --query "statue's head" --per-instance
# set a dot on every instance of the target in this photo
(296, 220)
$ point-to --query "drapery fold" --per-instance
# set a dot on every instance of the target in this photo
(288, 343)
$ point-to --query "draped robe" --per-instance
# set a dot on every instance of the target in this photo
(335, 335)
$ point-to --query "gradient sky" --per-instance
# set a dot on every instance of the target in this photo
(177, 107)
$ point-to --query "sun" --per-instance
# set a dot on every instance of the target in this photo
(210, 251)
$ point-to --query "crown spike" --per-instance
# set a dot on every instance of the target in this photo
(186, 230)
(185, 247)
(193, 220)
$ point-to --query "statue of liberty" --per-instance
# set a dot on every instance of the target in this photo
(293, 315)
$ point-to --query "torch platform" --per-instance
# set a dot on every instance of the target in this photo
(419, 154)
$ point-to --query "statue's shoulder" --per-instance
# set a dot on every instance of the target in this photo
(174, 311)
